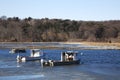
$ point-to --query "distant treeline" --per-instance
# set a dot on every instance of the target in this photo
(49, 30)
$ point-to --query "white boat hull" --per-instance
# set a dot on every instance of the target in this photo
(24, 59)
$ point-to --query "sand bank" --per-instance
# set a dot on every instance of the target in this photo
(61, 45)
(99, 45)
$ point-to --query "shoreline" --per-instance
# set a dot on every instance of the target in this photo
(102, 45)
(61, 45)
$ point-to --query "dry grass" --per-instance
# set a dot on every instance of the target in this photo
(117, 45)
(102, 44)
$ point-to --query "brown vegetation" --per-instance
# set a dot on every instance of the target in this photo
(49, 30)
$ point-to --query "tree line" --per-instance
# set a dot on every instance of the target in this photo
(48, 30)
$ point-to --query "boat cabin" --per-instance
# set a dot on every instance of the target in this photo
(36, 53)
(68, 56)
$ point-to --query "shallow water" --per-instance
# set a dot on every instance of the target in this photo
(96, 65)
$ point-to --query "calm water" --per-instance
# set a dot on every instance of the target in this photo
(96, 65)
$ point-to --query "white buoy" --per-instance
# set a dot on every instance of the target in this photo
(18, 58)
(42, 61)
(81, 54)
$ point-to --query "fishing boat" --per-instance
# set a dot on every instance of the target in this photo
(17, 50)
(67, 58)
(36, 54)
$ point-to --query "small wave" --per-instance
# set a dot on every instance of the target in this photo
(21, 77)
(8, 64)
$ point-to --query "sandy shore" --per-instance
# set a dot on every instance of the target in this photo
(102, 45)
(61, 45)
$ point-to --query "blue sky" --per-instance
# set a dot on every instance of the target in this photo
(62, 9)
